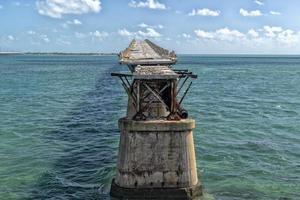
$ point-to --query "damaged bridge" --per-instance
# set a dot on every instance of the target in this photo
(156, 157)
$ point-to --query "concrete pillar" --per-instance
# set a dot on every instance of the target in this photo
(156, 160)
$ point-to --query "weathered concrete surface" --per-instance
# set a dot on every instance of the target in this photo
(162, 193)
(154, 72)
(157, 154)
(145, 53)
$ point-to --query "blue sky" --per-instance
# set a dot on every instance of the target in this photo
(187, 26)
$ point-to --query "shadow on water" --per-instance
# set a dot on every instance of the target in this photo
(88, 138)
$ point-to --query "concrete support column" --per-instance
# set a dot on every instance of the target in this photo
(156, 160)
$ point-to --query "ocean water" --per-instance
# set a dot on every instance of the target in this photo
(59, 135)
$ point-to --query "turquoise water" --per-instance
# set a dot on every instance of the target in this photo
(59, 136)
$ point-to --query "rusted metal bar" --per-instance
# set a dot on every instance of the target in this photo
(155, 94)
(182, 85)
(123, 82)
(129, 94)
(127, 81)
(163, 89)
(185, 93)
(121, 74)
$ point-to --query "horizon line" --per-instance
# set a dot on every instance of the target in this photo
(115, 53)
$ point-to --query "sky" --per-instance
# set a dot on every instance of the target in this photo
(186, 26)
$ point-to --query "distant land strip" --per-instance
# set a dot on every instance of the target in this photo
(56, 53)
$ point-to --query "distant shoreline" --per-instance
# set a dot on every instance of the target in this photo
(180, 54)
(57, 53)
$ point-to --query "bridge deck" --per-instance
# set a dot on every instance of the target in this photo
(154, 72)
(146, 53)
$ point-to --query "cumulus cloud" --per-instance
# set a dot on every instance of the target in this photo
(37, 38)
(275, 13)
(253, 33)
(204, 34)
(205, 12)
(143, 25)
(75, 22)
(94, 34)
(10, 37)
(271, 35)
(259, 2)
(224, 34)
(30, 32)
(185, 35)
(125, 32)
(148, 32)
(58, 8)
(45, 38)
(252, 13)
(99, 34)
(271, 31)
(151, 4)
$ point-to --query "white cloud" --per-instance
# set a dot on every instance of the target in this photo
(288, 37)
(259, 2)
(204, 34)
(185, 35)
(227, 34)
(77, 22)
(143, 25)
(10, 37)
(151, 4)
(125, 32)
(148, 32)
(99, 34)
(74, 22)
(224, 34)
(253, 33)
(252, 13)
(275, 13)
(271, 31)
(58, 8)
(94, 34)
(272, 36)
(31, 32)
(45, 38)
(205, 12)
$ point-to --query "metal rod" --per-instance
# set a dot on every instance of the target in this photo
(185, 93)
(182, 84)
(120, 74)
(129, 94)
(127, 87)
(155, 94)
(127, 81)
(163, 89)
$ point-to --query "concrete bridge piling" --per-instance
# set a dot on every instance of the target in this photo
(156, 157)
